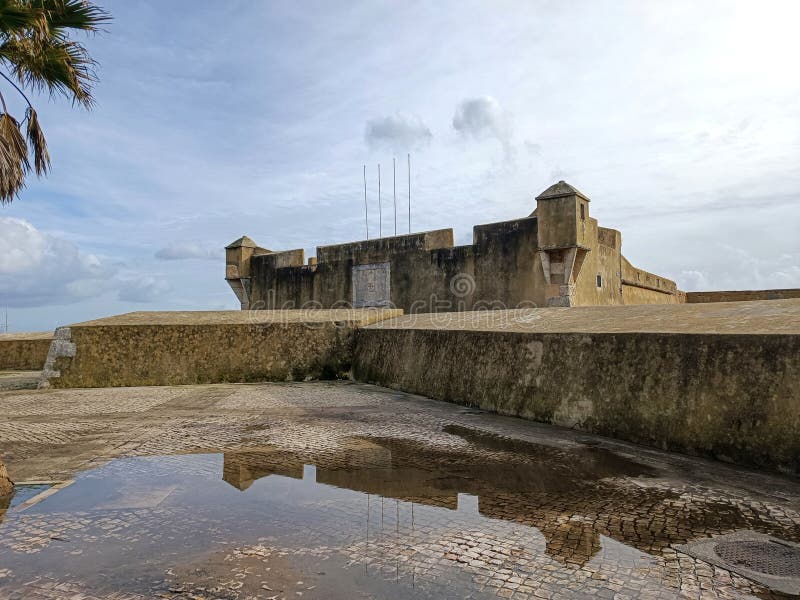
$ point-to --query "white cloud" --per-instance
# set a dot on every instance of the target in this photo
(40, 269)
(142, 289)
(187, 250)
(693, 281)
(736, 268)
(37, 269)
(398, 132)
(481, 118)
(21, 245)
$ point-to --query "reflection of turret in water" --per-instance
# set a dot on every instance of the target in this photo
(241, 469)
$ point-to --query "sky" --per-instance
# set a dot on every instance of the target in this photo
(680, 120)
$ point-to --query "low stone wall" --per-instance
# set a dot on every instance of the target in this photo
(720, 380)
(205, 347)
(24, 351)
(742, 295)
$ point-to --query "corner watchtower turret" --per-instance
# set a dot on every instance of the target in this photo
(562, 212)
(237, 267)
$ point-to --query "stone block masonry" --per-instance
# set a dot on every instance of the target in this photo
(152, 348)
(719, 380)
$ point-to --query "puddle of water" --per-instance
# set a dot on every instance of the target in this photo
(384, 518)
(21, 494)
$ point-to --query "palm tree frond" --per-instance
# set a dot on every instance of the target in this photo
(38, 143)
(16, 18)
(62, 15)
(59, 66)
(13, 158)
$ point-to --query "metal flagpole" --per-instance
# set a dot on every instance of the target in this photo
(366, 206)
(409, 193)
(394, 191)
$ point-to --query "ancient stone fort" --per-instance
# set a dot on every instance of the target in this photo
(556, 256)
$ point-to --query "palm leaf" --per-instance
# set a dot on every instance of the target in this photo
(15, 18)
(62, 15)
(13, 158)
(58, 66)
(38, 143)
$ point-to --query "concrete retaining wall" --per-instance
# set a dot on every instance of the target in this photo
(734, 397)
(204, 347)
(24, 351)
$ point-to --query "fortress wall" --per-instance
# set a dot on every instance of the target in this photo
(633, 294)
(734, 397)
(602, 260)
(24, 351)
(204, 347)
(742, 295)
(427, 273)
(508, 271)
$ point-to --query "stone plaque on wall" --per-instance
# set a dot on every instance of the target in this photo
(371, 285)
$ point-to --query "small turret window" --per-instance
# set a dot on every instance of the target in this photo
(599, 280)
(583, 213)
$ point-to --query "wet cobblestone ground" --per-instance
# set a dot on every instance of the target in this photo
(339, 490)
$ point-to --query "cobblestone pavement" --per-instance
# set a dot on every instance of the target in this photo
(341, 490)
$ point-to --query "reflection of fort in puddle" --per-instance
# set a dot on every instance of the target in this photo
(426, 515)
(375, 471)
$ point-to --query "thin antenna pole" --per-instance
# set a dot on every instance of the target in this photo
(409, 193)
(366, 206)
(380, 210)
(394, 191)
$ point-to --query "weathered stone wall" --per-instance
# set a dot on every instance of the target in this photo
(428, 274)
(24, 351)
(731, 396)
(185, 348)
(742, 295)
